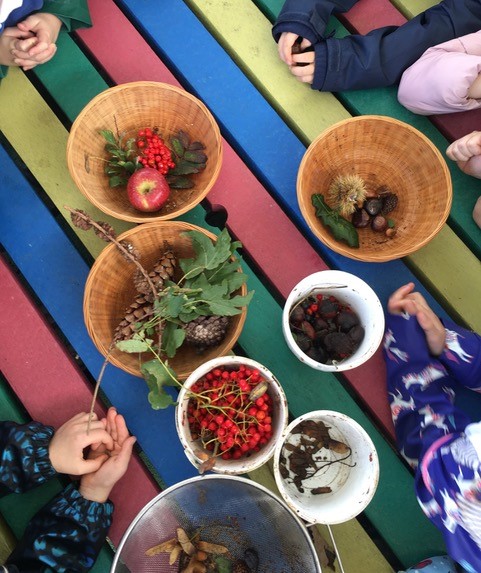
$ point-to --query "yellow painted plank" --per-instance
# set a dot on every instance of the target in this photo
(241, 28)
(246, 34)
(40, 139)
(411, 8)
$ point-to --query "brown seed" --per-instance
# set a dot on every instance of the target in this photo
(379, 224)
(390, 232)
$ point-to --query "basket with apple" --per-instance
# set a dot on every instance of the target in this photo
(144, 151)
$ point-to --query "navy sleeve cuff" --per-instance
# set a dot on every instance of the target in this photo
(320, 68)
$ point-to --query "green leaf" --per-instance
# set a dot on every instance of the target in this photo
(230, 307)
(133, 345)
(390, 223)
(179, 182)
(235, 282)
(177, 146)
(341, 229)
(195, 156)
(172, 338)
(130, 166)
(186, 168)
(117, 181)
(157, 375)
(109, 136)
(223, 564)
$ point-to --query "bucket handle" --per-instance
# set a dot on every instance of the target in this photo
(336, 551)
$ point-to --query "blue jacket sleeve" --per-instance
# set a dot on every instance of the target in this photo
(380, 57)
(24, 458)
(66, 535)
(73, 13)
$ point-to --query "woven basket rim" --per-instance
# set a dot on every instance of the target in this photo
(145, 217)
(357, 254)
(96, 268)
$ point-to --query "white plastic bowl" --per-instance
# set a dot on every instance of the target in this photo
(362, 300)
(279, 418)
(352, 487)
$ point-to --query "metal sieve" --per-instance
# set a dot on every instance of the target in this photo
(235, 512)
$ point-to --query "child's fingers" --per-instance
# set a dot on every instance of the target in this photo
(98, 435)
(284, 47)
(122, 432)
(92, 465)
(396, 300)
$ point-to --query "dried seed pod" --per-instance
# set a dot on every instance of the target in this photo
(297, 315)
(308, 329)
(389, 203)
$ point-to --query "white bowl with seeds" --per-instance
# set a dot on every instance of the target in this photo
(326, 467)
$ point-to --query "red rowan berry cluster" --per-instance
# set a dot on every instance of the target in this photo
(227, 415)
(152, 151)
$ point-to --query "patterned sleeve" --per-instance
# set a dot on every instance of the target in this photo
(66, 535)
(24, 458)
(462, 355)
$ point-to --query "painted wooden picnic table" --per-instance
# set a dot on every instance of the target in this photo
(222, 52)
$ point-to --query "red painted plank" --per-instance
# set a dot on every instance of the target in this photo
(52, 388)
(369, 14)
(126, 57)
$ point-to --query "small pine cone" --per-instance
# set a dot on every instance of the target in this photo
(107, 233)
(79, 221)
(389, 203)
(138, 312)
(131, 249)
(163, 270)
(206, 331)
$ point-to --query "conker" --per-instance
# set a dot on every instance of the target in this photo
(373, 206)
(379, 224)
(360, 218)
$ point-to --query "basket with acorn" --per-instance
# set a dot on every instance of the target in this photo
(162, 299)
(374, 188)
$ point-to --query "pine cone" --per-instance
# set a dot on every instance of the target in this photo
(79, 221)
(206, 331)
(107, 232)
(131, 249)
(138, 312)
(163, 270)
(389, 203)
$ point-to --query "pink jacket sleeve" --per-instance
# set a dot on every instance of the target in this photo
(439, 81)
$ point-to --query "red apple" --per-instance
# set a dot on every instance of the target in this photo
(147, 189)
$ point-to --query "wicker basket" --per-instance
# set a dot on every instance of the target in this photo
(126, 109)
(382, 151)
(109, 291)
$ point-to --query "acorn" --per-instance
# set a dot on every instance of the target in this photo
(379, 224)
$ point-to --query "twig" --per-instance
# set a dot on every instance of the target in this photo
(97, 385)
(117, 243)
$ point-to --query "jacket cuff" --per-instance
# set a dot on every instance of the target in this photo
(320, 67)
(291, 23)
(93, 511)
(41, 436)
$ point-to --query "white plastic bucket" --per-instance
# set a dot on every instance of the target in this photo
(279, 417)
(354, 292)
(353, 482)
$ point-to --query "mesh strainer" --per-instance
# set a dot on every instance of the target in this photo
(228, 510)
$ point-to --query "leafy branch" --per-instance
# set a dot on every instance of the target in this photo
(342, 229)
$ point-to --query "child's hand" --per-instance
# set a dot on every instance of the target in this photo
(45, 29)
(8, 40)
(98, 485)
(304, 65)
(466, 151)
(66, 449)
(285, 46)
(405, 300)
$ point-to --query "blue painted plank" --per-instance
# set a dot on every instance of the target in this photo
(248, 122)
(57, 273)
